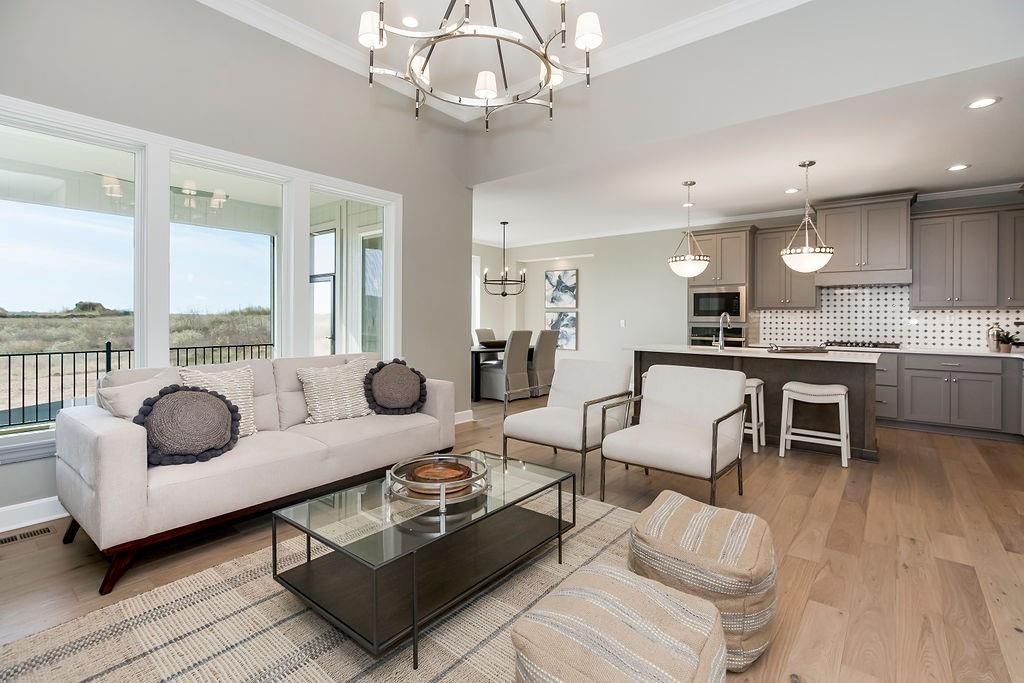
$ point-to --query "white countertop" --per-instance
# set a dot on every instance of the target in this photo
(754, 352)
(932, 351)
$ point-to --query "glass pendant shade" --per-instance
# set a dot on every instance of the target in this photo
(807, 259)
(588, 32)
(369, 31)
(486, 85)
(689, 265)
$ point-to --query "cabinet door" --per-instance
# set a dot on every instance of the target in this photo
(976, 260)
(769, 280)
(1011, 259)
(732, 259)
(933, 263)
(709, 278)
(800, 289)
(884, 237)
(840, 228)
(977, 400)
(925, 396)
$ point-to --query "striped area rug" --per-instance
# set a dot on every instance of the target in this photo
(234, 623)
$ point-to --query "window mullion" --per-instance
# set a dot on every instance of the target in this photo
(152, 258)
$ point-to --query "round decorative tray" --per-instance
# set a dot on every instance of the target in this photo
(439, 479)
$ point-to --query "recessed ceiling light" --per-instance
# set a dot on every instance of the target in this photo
(410, 22)
(983, 102)
(958, 167)
(792, 190)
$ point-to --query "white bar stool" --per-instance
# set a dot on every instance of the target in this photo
(755, 390)
(815, 393)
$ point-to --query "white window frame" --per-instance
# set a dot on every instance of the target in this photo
(154, 152)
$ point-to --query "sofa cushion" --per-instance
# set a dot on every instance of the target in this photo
(235, 384)
(124, 400)
(185, 425)
(291, 402)
(261, 467)
(334, 393)
(366, 443)
(395, 389)
(264, 387)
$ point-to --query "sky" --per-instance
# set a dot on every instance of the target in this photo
(53, 257)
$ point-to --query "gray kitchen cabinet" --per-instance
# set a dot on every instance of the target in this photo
(775, 285)
(1011, 259)
(730, 258)
(933, 263)
(976, 400)
(976, 260)
(886, 370)
(886, 402)
(871, 237)
(925, 395)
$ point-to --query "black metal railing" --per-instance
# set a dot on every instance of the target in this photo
(35, 386)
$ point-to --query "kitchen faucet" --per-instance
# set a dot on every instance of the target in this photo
(724, 321)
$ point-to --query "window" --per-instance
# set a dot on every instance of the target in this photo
(223, 229)
(347, 275)
(67, 222)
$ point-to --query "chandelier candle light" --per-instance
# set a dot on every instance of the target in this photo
(504, 285)
(808, 258)
(688, 264)
(373, 35)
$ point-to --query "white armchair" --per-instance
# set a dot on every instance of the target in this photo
(691, 423)
(571, 420)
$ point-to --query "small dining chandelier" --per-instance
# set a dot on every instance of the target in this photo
(505, 285)
(808, 258)
(688, 264)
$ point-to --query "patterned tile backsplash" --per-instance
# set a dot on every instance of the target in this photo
(880, 313)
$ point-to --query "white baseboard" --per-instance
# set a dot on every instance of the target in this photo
(31, 512)
(464, 416)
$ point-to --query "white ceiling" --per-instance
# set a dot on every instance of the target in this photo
(898, 139)
(632, 32)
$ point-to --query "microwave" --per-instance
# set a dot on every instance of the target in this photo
(707, 304)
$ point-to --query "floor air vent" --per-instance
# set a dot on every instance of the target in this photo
(8, 539)
(25, 535)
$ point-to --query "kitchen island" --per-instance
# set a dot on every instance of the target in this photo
(854, 369)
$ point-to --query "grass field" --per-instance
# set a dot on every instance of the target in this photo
(26, 381)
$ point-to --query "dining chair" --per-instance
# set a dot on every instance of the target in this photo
(508, 379)
(542, 367)
(572, 418)
(691, 423)
(486, 334)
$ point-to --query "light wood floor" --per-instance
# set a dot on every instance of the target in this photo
(910, 569)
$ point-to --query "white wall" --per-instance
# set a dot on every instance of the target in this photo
(492, 308)
(184, 70)
(626, 279)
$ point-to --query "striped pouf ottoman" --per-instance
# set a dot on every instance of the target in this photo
(608, 624)
(721, 555)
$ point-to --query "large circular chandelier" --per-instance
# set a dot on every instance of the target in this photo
(374, 32)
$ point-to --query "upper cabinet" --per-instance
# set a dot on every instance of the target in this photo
(871, 237)
(775, 285)
(956, 261)
(730, 257)
(1011, 259)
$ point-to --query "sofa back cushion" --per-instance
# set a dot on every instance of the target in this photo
(264, 389)
(291, 401)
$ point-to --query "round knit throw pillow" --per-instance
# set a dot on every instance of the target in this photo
(395, 389)
(187, 424)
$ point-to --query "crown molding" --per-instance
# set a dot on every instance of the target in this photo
(704, 25)
(281, 26)
(970, 192)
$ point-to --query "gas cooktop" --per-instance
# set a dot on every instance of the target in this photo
(864, 345)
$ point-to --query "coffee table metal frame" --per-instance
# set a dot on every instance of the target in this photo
(420, 621)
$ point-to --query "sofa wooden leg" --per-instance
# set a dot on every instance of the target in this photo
(72, 531)
(118, 564)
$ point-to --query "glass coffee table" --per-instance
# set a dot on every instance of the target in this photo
(385, 566)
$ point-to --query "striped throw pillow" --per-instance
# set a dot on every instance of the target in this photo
(237, 385)
(335, 393)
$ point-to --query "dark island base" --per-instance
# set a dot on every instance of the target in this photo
(775, 371)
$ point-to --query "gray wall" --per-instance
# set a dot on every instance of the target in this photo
(492, 308)
(184, 70)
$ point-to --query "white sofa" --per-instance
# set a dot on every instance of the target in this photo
(104, 482)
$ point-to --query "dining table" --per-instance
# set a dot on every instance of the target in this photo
(476, 354)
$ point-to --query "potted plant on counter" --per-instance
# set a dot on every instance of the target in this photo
(1006, 339)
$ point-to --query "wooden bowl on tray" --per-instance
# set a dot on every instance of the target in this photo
(440, 472)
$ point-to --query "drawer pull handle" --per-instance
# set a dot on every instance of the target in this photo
(950, 365)
(882, 369)
(878, 400)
